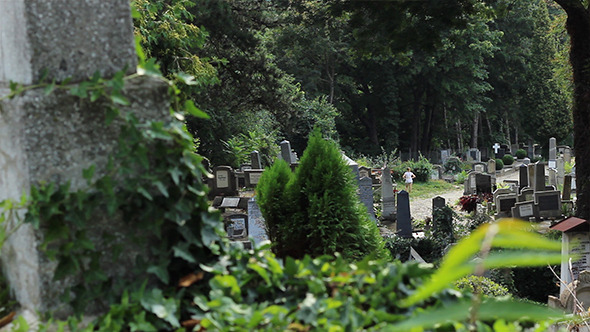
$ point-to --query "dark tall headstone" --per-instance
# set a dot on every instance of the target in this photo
(539, 183)
(567, 188)
(483, 183)
(404, 221)
(523, 176)
(255, 160)
(437, 202)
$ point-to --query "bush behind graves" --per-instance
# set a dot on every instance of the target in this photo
(521, 154)
(499, 164)
(453, 165)
(508, 159)
(422, 168)
(324, 214)
(483, 285)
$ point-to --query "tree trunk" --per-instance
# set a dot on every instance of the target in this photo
(578, 27)
(474, 131)
(459, 136)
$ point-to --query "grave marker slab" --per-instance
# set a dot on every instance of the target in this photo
(404, 222)
(239, 225)
(255, 160)
(256, 225)
(479, 167)
(252, 177)
(286, 154)
(549, 203)
(387, 196)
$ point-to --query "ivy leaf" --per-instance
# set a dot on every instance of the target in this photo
(49, 89)
(186, 78)
(190, 107)
(118, 98)
(159, 272)
(182, 251)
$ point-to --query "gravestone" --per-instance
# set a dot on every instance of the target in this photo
(560, 170)
(286, 153)
(575, 241)
(552, 177)
(479, 167)
(252, 177)
(404, 222)
(552, 152)
(53, 138)
(354, 166)
(387, 196)
(470, 185)
(238, 225)
(548, 203)
(483, 183)
(366, 195)
(492, 167)
(531, 170)
(474, 155)
(444, 156)
(526, 161)
(539, 182)
(255, 160)
(525, 210)
(437, 202)
(523, 176)
(224, 181)
(504, 204)
(496, 148)
(256, 225)
(438, 170)
(526, 194)
(567, 188)
(364, 171)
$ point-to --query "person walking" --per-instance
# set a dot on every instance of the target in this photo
(409, 179)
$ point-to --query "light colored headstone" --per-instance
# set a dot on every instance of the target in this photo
(286, 154)
(444, 156)
(492, 167)
(255, 160)
(560, 170)
(387, 196)
(526, 161)
(366, 195)
(567, 188)
(552, 152)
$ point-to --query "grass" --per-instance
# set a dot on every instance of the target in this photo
(429, 189)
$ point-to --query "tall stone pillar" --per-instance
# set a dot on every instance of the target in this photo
(54, 137)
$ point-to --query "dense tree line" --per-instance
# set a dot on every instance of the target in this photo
(377, 76)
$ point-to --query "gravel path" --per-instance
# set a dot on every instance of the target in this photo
(421, 209)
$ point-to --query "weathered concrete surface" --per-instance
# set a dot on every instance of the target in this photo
(70, 38)
(53, 138)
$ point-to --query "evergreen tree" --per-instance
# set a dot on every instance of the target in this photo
(325, 214)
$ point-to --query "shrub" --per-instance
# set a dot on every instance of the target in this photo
(521, 154)
(453, 165)
(499, 164)
(469, 202)
(421, 168)
(325, 215)
(481, 285)
(508, 159)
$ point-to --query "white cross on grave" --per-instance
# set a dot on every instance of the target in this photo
(496, 147)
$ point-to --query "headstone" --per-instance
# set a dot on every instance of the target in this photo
(470, 186)
(255, 160)
(444, 156)
(552, 177)
(439, 170)
(252, 177)
(525, 210)
(523, 176)
(531, 150)
(501, 153)
(437, 202)
(492, 167)
(526, 161)
(415, 256)
(387, 196)
(364, 171)
(560, 170)
(479, 167)
(366, 195)
(539, 182)
(238, 224)
(224, 181)
(483, 183)
(531, 170)
(552, 152)
(549, 203)
(354, 166)
(474, 154)
(496, 148)
(526, 194)
(567, 155)
(53, 138)
(513, 149)
(256, 225)
(567, 188)
(404, 222)
(230, 202)
(504, 204)
(286, 154)
(575, 241)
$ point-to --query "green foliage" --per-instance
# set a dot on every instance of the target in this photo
(508, 159)
(521, 154)
(481, 285)
(453, 165)
(442, 220)
(324, 214)
(461, 177)
(240, 146)
(422, 168)
(499, 164)
(535, 283)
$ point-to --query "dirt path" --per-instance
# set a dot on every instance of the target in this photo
(421, 209)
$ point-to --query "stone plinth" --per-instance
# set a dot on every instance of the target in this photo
(52, 139)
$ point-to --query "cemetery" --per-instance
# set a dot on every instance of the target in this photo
(292, 166)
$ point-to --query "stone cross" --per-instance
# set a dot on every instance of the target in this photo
(496, 147)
